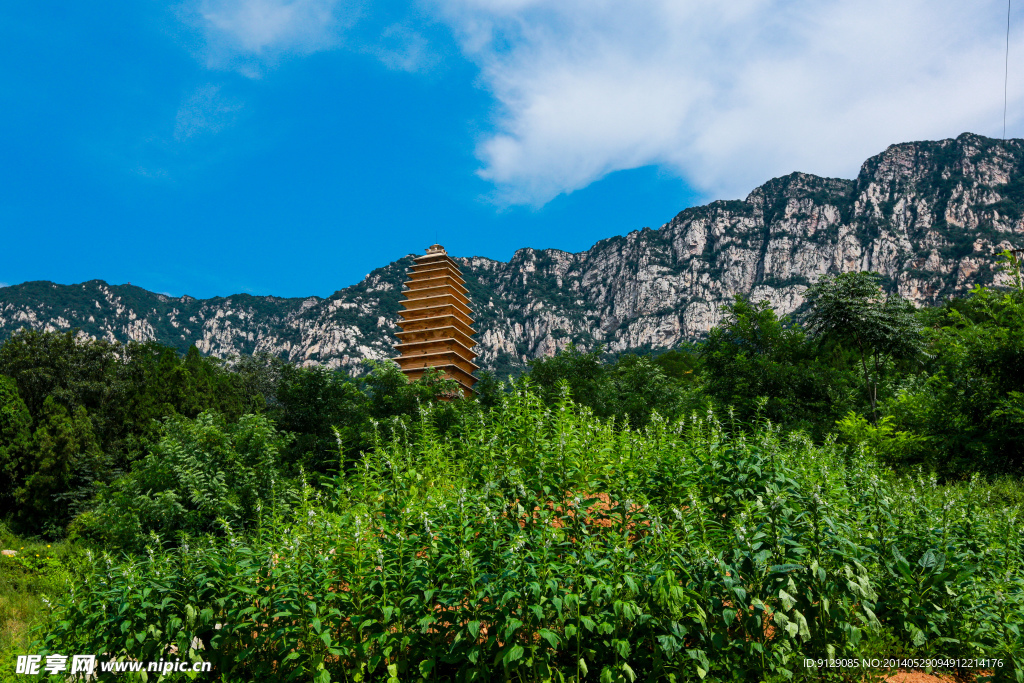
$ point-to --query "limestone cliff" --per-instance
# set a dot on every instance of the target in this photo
(929, 216)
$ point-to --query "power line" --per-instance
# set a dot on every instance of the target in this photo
(1006, 65)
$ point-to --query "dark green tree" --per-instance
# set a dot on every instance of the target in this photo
(258, 377)
(15, 439)
(681, 364)
(123, 387)
(639, 388)
(72, 371)
(151, 381)
(61, 470)
(311, 403)
(583, 371)
(851, 309)
(753, 361)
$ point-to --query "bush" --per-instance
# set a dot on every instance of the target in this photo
(882, 441)
(204, 476)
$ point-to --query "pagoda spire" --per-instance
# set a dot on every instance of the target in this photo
(437, 321)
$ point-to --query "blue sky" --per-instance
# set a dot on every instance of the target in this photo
(288, 147)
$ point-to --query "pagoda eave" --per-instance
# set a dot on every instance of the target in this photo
(437, 345)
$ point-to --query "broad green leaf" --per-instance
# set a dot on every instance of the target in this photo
(512, 654)
(805, 632)
(549, 636)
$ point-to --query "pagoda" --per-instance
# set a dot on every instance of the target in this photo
(437, 322)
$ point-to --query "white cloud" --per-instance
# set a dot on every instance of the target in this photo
(726, 95)
(3, 284)
(204, 110)
(401, 48)
(248, 34)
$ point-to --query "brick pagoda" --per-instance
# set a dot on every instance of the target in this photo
(437, 321)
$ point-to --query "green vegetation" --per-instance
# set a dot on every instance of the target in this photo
(841, 484)
(80, 418)
(544, 544)
(30, 582)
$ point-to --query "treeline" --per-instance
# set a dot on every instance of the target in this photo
(124, 442)
(938, 388)
(83, 420)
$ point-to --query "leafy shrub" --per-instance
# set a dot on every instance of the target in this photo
(883, 441)
(204, 476)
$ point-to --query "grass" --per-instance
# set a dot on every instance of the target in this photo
(29, 582)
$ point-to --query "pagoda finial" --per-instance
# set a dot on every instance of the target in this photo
(436, 249)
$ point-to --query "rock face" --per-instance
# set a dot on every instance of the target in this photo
(929, 216)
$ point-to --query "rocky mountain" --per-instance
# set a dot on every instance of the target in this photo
(929, 216)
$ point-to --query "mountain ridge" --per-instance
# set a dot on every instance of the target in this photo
(930, 216)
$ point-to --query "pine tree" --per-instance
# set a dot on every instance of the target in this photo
(65, 456)
(15, 434)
